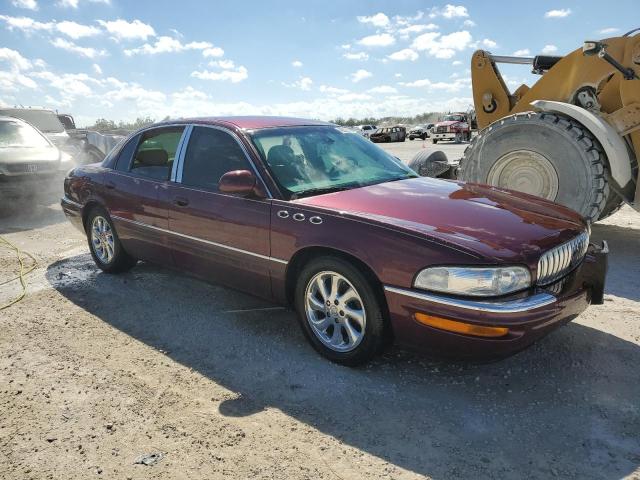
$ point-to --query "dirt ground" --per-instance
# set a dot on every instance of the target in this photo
(98, 370)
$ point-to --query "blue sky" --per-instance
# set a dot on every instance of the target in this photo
(123, 59)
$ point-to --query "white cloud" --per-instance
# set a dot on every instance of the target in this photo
(378, 40)
(232, 75)
(403, 21)
(77, 30)
(304, 83)
(413, 29)
(442, 46)
(333, 90)
(166, 44)
(449, 11)
(488, 43)
(360, 75)
(124, 30)
(377, 20)
(356, 56)
(74, 3)
(12, 77)
(28, 4)
(224, 64)
(214, 52)
(453, 86)
(404, 55)
(469, 23)
(87, 52)
(523, 52)
(97, 69)
(351, 97)
(398, 75)
(549, 49)
(454, 11)
(560, 13)
(26, 24)
(608, 30)
(296, 63)
(383, 89)
(456, 63)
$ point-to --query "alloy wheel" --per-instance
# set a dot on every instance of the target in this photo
(102, 240)
(335, 311)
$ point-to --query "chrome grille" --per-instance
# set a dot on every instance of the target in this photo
(559, 261)
(441, 129)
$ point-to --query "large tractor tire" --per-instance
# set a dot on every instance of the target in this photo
(544, 154)
(430, 164)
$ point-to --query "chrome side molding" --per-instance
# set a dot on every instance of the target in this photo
(511, 306)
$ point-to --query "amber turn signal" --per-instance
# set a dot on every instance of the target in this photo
(461, 327)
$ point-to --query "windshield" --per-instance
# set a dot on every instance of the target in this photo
(44, 120)
(311, 160)
(453, 118)
(19, 134)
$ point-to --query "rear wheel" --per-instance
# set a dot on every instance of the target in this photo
(104, 244)
(544, 154)
(339, 311)
(434, 140)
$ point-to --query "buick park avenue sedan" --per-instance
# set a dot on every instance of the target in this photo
(303, 213)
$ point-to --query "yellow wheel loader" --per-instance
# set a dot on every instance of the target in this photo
(573, 137)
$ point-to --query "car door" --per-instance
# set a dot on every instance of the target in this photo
(133, 192)
(219, 236)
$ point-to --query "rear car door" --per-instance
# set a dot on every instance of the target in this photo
(134, 191)
(219, 236)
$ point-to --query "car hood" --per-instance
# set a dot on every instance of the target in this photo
(493, 223)
(447, 123)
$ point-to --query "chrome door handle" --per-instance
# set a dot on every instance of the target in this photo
(298, 217)
(283, 214)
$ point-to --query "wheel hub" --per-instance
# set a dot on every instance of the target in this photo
(525, 171)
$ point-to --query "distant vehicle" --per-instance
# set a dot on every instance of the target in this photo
(454, 126)
(389, 134)
(420, 131)
(44, 120)
(304, 214)
(366, 130)
(30, 165)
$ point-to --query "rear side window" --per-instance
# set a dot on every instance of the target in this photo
(126, 153)
(211, 153)
(156, 153)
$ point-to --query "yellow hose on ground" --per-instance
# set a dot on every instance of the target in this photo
(23, 272)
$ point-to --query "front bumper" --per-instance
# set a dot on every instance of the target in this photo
(528, 316)
(444, 136)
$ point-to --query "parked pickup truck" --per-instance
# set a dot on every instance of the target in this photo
(454, 126)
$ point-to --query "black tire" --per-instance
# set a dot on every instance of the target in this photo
(434, 141)
(411, 138)
(429, 163)
(121, 261)
(614, 203)
(376, 335)
(575, 155)
(425, 136)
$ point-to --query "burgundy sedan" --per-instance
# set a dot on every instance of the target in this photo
(307, 214)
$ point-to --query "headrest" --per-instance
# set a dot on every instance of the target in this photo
(154, 157)
(280, 154)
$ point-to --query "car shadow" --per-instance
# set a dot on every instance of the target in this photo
(623, 277)
(566, 406)
(18, 216)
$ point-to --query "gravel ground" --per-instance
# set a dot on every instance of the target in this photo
(98, 370)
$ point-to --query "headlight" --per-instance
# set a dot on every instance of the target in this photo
(474, 281)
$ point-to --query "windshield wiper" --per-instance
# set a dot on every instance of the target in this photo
(319, 191)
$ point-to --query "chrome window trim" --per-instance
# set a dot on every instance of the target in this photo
(238, 141)
(511, 306)
(208, 242)
(182, 147)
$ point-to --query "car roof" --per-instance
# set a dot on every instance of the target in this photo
(8, 118)
(251, 122)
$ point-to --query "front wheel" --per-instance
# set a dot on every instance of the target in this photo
(104, 244)
(339, 311)
(434, 141)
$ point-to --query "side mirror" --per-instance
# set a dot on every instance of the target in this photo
(590, 48)
(238, 182)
